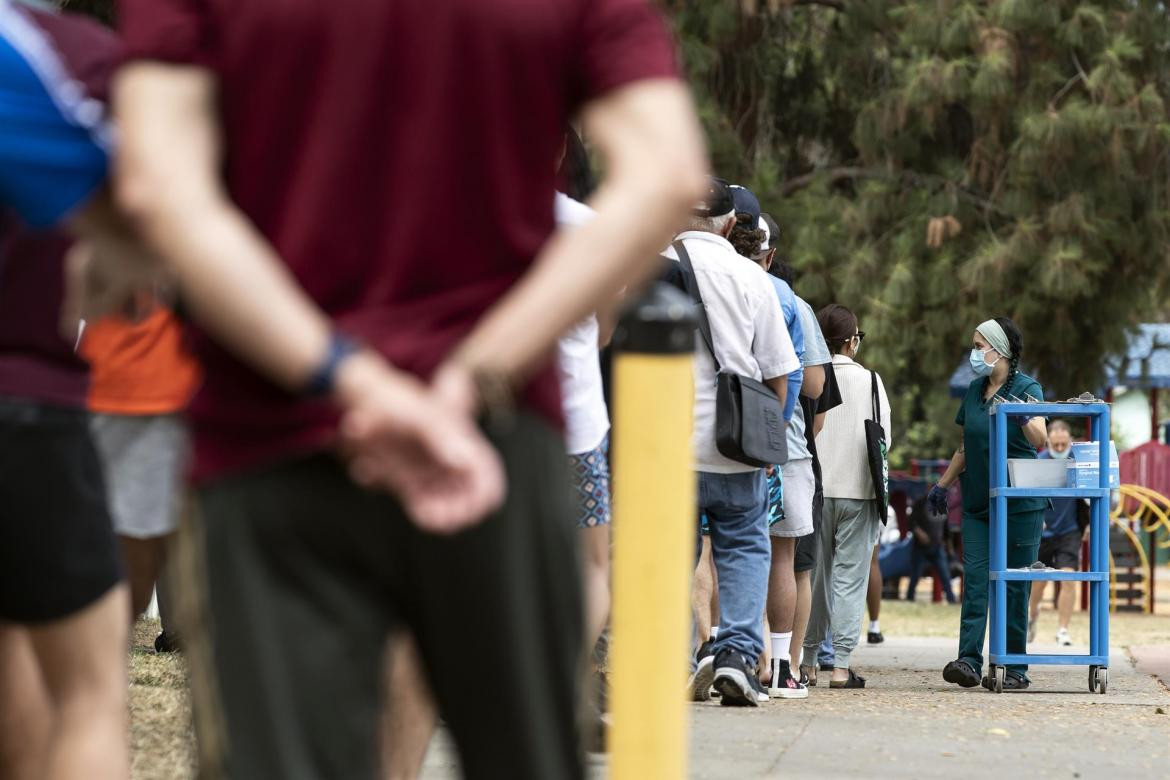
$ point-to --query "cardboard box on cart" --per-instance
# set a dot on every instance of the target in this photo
(1084, 465)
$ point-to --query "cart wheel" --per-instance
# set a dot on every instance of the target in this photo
(1000, 676)
(1102, 679)
(1093, 679)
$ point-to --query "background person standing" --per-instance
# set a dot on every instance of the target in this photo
(1060, 541)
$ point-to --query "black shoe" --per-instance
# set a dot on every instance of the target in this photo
(733, 680)
(166, 643)
(699, 686)
(1011, 682)
(961, 673)
(874, 638)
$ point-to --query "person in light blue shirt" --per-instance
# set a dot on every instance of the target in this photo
(754, 238)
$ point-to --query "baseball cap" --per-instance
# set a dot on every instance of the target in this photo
(718, 201)
(747, 205)
(771, 232)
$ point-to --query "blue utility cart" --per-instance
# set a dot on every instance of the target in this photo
(1098, 574)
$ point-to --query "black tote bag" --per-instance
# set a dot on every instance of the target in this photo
(877, 451)
(749, 420)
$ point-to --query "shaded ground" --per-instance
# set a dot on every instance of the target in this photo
(907, 723)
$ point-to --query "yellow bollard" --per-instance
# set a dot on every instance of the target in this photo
(653, 537)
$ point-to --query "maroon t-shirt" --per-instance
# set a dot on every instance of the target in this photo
(400, 155)
(36, 363)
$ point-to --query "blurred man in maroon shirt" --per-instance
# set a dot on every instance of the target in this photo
(324, 147)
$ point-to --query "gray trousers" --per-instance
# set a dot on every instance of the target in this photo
(845, 539)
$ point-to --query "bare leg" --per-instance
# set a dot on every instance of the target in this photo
(873, 596)
(595, 543)
(24, 708)
(408, 712)
(764, 665)
(800, 622)
(782, 586)
(703, 593)
(1064, 601)
(144, 560)
(1037, 598)
(781, 608)
(83, 662)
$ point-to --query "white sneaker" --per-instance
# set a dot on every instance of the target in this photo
(1062, 638)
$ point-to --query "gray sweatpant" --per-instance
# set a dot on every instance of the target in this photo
(845, 538)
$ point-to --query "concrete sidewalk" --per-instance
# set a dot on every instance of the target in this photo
(908, 723)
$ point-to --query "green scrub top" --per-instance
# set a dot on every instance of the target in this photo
(973, 416)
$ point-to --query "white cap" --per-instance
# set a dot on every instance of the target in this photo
(767, 235)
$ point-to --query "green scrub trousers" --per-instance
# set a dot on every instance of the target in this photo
(1023, 544)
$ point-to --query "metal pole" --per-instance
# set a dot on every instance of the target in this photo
(654, 537)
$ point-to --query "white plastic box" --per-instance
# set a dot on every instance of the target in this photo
(1037, 473)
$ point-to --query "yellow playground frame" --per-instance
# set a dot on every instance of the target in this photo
(1151, 516)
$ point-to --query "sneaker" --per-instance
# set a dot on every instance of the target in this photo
(1062, 638)
(166, 643)
(783, 685)
(733, 680)
(874, 638)
(699, 685)
(1032, 630)
(761, 694)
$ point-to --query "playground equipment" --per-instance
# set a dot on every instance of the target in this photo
(1132, 572)
(1098, 575)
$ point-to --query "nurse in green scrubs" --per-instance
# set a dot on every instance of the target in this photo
(995, 358)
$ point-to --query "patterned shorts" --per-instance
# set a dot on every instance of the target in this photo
(591, 485)
(775, 503)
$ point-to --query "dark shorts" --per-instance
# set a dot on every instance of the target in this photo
(1061, 552)
(805, 558)
(58, 554)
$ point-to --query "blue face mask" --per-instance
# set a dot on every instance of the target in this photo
(979, 365)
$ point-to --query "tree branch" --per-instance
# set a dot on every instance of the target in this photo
(836, 5)
(835, 175)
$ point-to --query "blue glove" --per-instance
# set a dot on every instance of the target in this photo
(936, 499)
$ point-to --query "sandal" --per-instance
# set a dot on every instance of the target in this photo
(854, 681)
(808, 680)
(1011, 682)
(961, 673)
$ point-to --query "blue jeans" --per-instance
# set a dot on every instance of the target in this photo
(825, 654)
(737, 515)
(936, 556)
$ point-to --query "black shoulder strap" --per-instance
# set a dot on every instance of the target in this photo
(873, 390)
(692, 284)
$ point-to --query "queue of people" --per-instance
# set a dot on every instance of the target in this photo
(788, 539)
(381, 454)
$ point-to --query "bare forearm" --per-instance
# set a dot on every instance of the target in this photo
(779, 386)
(957, 466)
(1036, 432)
(235, 287)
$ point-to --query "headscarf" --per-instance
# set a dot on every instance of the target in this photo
(996, 338)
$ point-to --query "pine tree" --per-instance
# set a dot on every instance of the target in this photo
(934, 163)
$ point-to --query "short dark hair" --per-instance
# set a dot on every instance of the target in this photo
(838, 324)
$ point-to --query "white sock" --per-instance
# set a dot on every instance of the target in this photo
(781, 644)
(874, 627)
(714, 633)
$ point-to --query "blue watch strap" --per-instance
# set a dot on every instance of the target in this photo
(320, 383)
